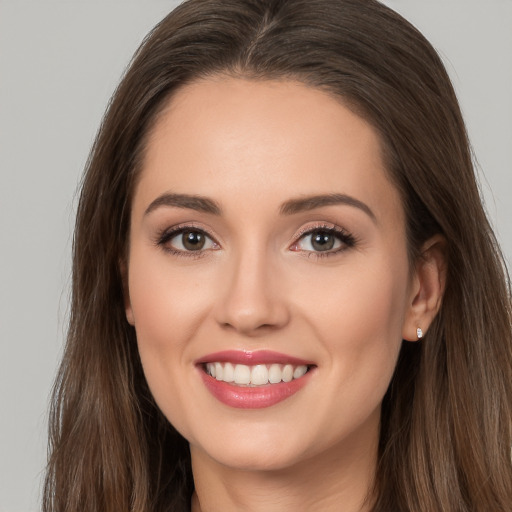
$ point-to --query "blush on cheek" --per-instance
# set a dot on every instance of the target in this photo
(162, 305)
(364, 327)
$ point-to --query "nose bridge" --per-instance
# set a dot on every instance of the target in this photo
(251, 302)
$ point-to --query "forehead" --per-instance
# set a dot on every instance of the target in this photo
(227, 137)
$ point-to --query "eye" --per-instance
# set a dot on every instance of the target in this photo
(185, 240)
(324, 240)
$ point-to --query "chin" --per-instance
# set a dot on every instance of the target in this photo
(252, 456)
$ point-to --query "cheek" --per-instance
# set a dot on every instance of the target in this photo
(358, 297)
(358, 318)
(167, 302)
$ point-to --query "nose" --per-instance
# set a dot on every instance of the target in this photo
(253, 301)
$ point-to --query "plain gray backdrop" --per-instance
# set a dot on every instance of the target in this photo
(59, 63)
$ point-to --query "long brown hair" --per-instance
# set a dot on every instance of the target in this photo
(446, 428)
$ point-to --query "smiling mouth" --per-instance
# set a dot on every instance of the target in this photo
(246, 379)
(255, 375)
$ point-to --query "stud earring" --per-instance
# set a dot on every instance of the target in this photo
(419, 333)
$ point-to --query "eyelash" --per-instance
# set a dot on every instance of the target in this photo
(166, 235)
(347, 240)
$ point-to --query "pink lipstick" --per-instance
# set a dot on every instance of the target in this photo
(253, 380)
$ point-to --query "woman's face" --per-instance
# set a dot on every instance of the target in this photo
(267, 241)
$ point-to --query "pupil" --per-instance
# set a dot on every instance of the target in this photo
(322, 241)
(193, 240)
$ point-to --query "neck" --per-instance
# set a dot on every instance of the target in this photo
(338, 480)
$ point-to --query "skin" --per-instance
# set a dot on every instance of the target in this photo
(258, 284)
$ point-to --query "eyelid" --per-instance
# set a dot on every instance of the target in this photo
(183, 226)
(304, 230)
(319, 226)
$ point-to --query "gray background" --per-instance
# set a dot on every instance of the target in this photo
(59, 63)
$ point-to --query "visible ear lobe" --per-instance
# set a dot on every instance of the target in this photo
(123, 268)
(428, 285)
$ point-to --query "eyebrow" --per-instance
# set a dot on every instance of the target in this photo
(304, 204)
(290, 207)
(192, 202)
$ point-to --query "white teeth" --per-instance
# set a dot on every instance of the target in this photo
(275, 374)
(219, 371)
(229, 373)
(257, 375)
(298, 372)
(242, 374)
(288, 373)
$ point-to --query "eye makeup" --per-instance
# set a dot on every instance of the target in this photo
(326, 240)
(319, 240)
(186, 240)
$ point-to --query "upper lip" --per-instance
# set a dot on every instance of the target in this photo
(249, 358)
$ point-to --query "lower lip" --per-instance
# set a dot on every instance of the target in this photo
(256, 397)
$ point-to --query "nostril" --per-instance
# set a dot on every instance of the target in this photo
(249, 328)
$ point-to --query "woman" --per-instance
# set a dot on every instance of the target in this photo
(286, 293)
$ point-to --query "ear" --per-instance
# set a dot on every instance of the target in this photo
(123, 268)
(427, 288)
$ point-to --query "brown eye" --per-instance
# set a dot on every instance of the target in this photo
(322, 240)
(193, 240)
(187, 240)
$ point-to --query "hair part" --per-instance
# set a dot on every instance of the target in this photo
(446, 427)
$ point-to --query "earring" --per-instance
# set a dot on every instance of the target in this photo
(419, 333)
